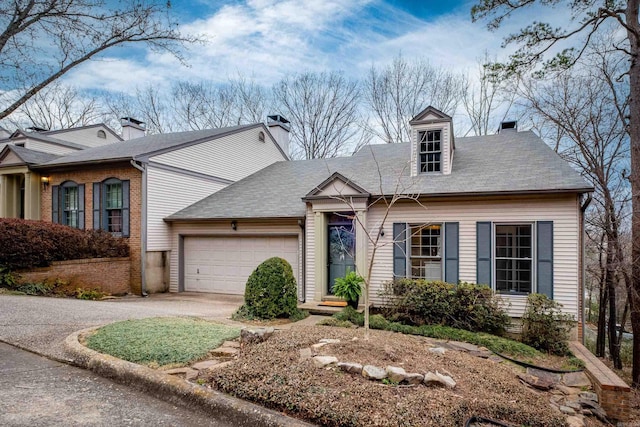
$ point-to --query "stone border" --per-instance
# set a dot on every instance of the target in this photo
(174, 390)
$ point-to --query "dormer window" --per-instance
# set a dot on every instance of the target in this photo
(430, 150)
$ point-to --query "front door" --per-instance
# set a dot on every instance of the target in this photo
(342, 247)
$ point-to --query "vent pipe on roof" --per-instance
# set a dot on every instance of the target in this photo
(132, 128)
(510, 125)
(279, 128)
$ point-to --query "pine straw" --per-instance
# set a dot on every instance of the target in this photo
(272, 374)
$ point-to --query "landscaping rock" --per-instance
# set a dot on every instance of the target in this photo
(225, 352)
(481, 354)
(206, 364)
(329, 341)
(567, 410)
(234, 344)
(322, 361)
(576, 379)
(535, 382)
(446, 379)
(587, 395)
(545, 375)
(373, 372)
(462, 346)
(396, 374)
(413, 379)
(595, 409)
(253, 336)
(437, 350)
(496, 359)
(219, 365)
(189, 373)
(438, 379)
(569, 391)
(305, 353)
(318, 346)
(352, 368)
(574, 421)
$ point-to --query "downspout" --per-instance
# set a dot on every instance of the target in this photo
(583, 208)
(303, 279)
(143, 228)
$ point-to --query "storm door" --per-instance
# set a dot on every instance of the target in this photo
(342, 247)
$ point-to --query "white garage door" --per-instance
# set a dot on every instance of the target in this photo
(223, 264)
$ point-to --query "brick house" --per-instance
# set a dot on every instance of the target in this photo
(92, 178)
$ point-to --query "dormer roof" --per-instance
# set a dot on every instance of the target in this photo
(430, 115)
(337, 185)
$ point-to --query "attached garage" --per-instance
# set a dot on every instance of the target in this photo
(222, 264)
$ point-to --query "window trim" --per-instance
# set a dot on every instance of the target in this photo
(101, 134)
(419, 153)
(409, 256)
(104, 215)
(533, 259)
(62, 211)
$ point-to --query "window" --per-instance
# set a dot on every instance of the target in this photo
(102, 134)
(70, 205)
(113, 206)
(426, 252)
(430, 150)
(514, 258)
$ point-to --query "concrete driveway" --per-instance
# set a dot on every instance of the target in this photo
(41, 324)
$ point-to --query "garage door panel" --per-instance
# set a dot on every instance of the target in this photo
(223, 264)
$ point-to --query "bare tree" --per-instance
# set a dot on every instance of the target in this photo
(58, 106)
(40, 41)
(485, 100)
(323, 111)
(538, 40)
(587, 108)
(399, 91)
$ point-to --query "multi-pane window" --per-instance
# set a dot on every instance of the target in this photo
(113, 206)
(514, 258)
(426, 252)
(70, 205)
(430, 150)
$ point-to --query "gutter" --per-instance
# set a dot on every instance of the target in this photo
(143, 227)
(583, 208)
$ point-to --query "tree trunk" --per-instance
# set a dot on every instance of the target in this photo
(602, 319)
(633, 288)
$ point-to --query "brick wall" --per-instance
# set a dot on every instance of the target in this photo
(87, 175)
(110, 275)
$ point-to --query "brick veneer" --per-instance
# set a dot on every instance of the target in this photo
(613, 394)
(87, 175)
(110, 275)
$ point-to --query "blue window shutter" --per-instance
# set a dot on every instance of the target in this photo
(399, 249)
(544, 267)
(96, 205)
(81, 206)
(483, 252)
(125, 208)
(451, 252)
(55, 204)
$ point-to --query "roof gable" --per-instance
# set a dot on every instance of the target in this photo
(337, 185)
(9, 157)
(430, 114)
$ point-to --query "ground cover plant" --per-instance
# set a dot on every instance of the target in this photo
(49, 288)
(161, 341)
(274, 375)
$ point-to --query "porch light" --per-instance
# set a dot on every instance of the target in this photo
(45, 182)
(234, 225)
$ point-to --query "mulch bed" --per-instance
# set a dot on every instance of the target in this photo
(273, 375)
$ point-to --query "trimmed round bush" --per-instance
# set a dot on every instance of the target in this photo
(271, 290)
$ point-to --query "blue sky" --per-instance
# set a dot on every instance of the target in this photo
(268, 39)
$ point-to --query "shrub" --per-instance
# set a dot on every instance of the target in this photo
(271, 291)
(89, 294)
(463, 306)
(27, 244)
(544, 326)
(349, 314)
(7, 278)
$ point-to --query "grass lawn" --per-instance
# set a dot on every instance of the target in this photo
(161, 341)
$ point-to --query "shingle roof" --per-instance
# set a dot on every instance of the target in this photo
(511, 162)
(42, 137)
(141, 147)
(31, 157)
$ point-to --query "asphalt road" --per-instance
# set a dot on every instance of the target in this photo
(36, 391)
(41, 324)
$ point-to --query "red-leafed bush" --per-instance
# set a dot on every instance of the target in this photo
(27, 244)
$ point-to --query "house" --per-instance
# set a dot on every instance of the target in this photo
(503, 210)
(91, 178)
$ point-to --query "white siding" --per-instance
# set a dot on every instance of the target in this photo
(86, 136)
(309, 227)
(167, 193)
(232, 157)
(47, 147)
(223, 228)
(563, 211)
